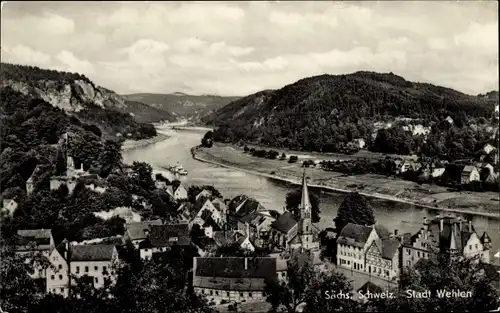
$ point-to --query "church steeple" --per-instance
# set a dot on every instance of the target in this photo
(305, 201)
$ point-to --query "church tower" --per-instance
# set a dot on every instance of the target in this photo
(305, 229)
(70, 164)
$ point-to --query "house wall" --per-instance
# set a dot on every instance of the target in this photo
(94, 269)
(58, 275)
(247, 245)
(180, 193)
(350, 257)
(203, 193)
(473, 247)
(216, 215)
(56, 183)
(230, 296)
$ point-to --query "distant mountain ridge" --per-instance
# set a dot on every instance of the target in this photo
(182, 105)
(323, 112)
(77, 95)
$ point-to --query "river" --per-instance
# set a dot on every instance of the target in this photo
(271, 193)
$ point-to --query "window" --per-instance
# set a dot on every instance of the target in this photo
(97, 280)
(146, 250)
(408, 251)
(52, 277)
(227, 294)
(470, 247)
(95, 268)
(307, 228)
(250, 294)
(476, 245)
(241, 294)
(62, 290)
(282, 274)
(104, 268)
(203, 291)
(216, 293)
(60, 277)
(418, 253)
(60, 266)
(78, 269)
(86, 269)
(211, 292)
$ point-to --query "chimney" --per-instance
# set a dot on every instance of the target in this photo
(247, 229)
(246, 264)
(470, 226)
(441, 224)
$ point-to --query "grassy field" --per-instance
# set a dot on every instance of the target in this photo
(390, 188)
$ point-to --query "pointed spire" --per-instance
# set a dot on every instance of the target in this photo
(305, 202)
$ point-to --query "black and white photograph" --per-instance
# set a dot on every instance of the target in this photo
(249, 156)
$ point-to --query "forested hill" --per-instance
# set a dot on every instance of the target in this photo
(184, 106)
(324, 113)
(77, 95)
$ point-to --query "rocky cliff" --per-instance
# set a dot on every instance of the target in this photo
(77, 95)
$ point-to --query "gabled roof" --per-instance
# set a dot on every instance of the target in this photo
(468, 169)
(369, 286)
(247, 207)
(485, 238)
(219, 205)
(285, 222)
(39, 237)
(354, 234)
(253, 219)
(63, 247)
(35, 173)
(87, 253)
(234, 267)
(162, 235)
(389, 248)
(135, 230)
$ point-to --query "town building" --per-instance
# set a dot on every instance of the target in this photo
(488, 148)
(178, 193)
(32, 242)
(136, 232)
(259, 224)
(299, 257)
(368, 249)
(240, 207)
(98, 262)
(230, 237)
(9, 206)
(449, 235)
(203, 213)
(58, 273)
(232, 279)
(469, 174)
(204, 193)
(290, 232)
(162, 237)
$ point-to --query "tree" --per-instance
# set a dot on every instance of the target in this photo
(207, 140)
(293, 292)
(354, 209)
(444, 273)
(143, 175)
(110, 157)
(330, 292)
(293, 199)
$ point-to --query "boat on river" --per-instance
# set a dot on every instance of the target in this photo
(177, 169)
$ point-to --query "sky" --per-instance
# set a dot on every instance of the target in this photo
(239, 48)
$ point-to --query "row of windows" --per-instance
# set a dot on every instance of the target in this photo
(351, 254)
(96, 268)
(52, 277)
(56, 290)
(250, 295)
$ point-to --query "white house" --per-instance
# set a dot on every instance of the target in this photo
(58, 277)
(488, 148)
(180, 193)
(203, 212)
(35, 241)
(470, 174)
(97, 262)
(9, 205)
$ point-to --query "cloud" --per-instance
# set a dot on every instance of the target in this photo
(237, 48)
(70, 63)
(25, 55)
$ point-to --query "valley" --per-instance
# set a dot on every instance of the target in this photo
(389, 188)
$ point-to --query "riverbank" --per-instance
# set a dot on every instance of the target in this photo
(375, 186)
(134, 144)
